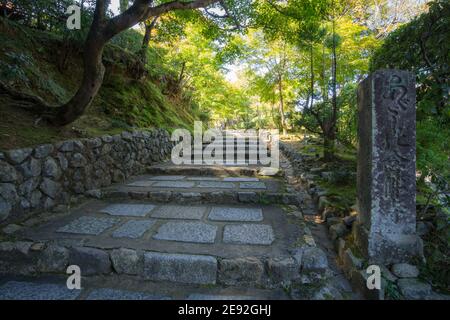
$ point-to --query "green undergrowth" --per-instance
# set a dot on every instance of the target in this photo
(341, 182)
(31, 62)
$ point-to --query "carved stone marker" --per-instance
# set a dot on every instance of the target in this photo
(386, 181)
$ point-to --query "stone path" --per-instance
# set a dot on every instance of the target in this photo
(167, 234)
(223, 231)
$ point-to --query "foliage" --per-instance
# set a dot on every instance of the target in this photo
(422, 47)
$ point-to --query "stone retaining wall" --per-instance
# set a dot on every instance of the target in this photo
(40, 178)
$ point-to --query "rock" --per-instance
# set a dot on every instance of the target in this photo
(50, 187)
(240, 271)
(35, 198)
(15, 258)
(8, 192)
(28, 187)
(24, 204)
(332, 221)
(348, 220)
(78, 161)
(43, 151)
(19, 155)
(386, 274)
(66, 146)
(5, 209)
(53, 259)
(338, 231)
(94, 142)
(7, 172)
(49, 203)
(11, 228)
(326, 175)
(51, 169)
(413, 289)
(95, 193)
(126, 261)
(62, 161)
(107, 138)
(127, 136)
(297, 254)
(423, 228)
(314, 259)
(184, 268)
(283, 270)
(90, 260)
(405, 270)
(350, 262)
(30, 168)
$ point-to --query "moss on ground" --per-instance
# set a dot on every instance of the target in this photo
(29, 63)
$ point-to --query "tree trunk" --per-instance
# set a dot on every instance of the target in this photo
(283, 120)
(312, 76)
(91, 82)
(147, 36)
(334, 76)
(328, 148)
(329, 139)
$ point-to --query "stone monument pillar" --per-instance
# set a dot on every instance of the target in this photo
(386, 180)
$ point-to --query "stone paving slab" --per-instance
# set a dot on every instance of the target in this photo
(240, 179)
(179, 212)
(167, 178)
(216, 185)
(197, 232)
(184, 268)
(133, 229)
(143, 183)
(124, 209)
(89, 225)
(203, 179)
(114, 294)
(252, 185)
(15, 290)
(258, 234)
(174, 184)
(235, 214)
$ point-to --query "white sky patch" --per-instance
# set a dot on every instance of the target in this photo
(232, 73)
(115, 6)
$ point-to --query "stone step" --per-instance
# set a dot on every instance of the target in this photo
(54, 288)
(203, 170)
(232, 152)
(235, 147)
(206, 197)
(41, 258)
(182, 268)
(232, 155)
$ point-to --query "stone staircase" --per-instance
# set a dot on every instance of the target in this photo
(168, 234)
